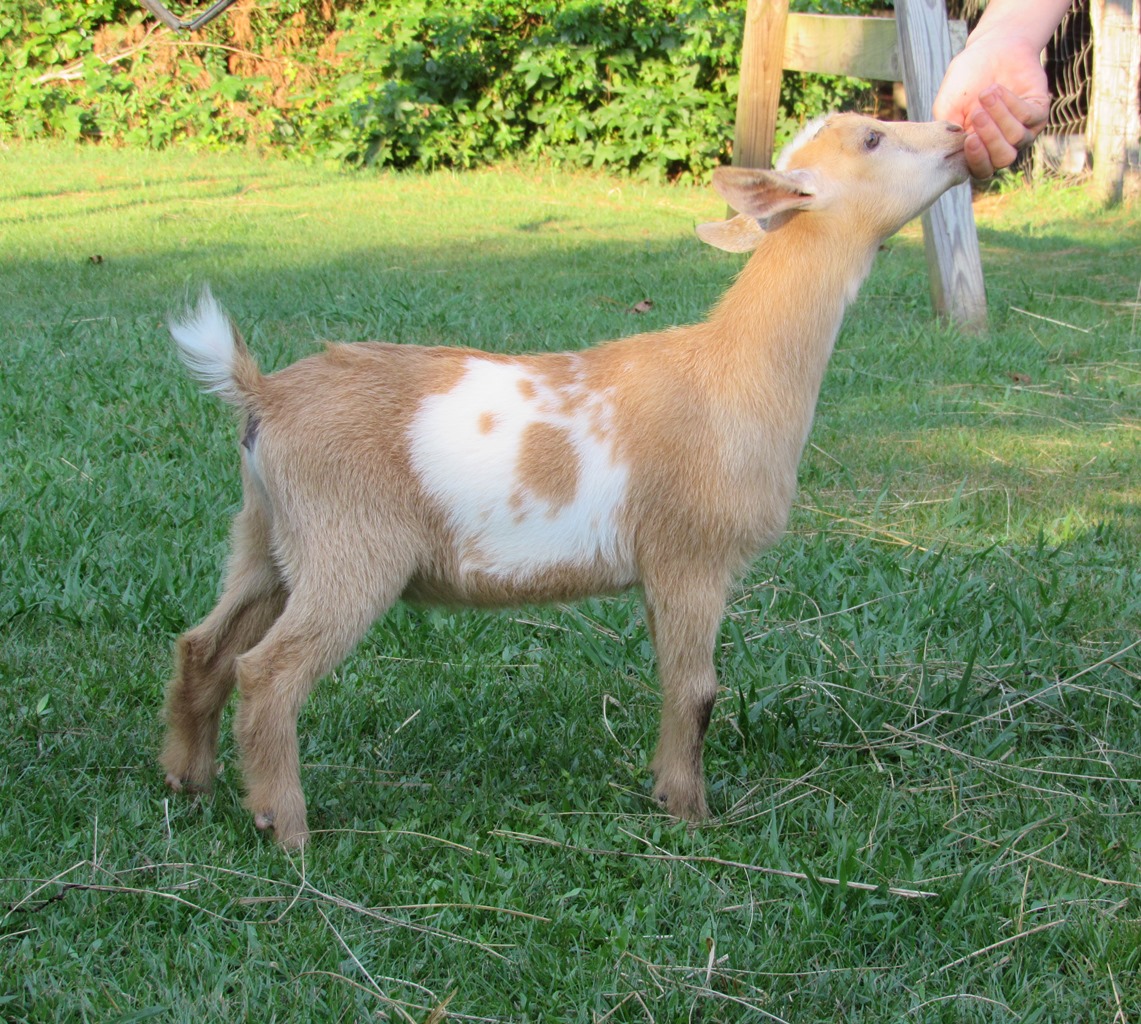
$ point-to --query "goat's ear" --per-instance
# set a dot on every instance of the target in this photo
(740, 234)
(762, 194)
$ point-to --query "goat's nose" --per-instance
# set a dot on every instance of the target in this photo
(952, 127)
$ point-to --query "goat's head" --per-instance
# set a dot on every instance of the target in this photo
(870, 176)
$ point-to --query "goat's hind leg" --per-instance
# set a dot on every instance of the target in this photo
(328, 611)
(204, 672)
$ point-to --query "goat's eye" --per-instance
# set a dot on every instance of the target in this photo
(872, 140)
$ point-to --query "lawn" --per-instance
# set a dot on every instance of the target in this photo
(925, 761)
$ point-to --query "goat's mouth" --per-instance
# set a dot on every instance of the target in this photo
(958, 159)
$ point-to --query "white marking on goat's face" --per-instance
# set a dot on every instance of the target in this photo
(523, 468)
(888, 171)
(807, 133)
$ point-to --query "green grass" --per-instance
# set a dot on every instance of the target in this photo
(931, 684)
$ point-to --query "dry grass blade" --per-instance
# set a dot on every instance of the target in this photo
(704, 991)
(1022, 855)
(1000, 944)
(440, 1013)
(1006, 709)
(376, 990)
(957, 996)
(1050, 320)
(388, 919)
(1119, 1014)
(678, 858)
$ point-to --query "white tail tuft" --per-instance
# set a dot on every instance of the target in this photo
(205, 340)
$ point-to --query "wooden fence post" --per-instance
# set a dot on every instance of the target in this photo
(762, 60)
(1113, 113)
(949, 235)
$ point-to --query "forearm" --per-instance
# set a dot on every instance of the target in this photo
(1031, 21)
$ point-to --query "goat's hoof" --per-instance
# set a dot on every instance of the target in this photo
(290, 835)
(680, 803)
(178, 783)
(188, 772)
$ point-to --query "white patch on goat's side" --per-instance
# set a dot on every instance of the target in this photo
(467, 446)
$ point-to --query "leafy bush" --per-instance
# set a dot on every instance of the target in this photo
(647, 86)
(631, 85)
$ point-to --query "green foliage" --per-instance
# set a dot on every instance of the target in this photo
(647, 86)
(629, 85)
(37, 39)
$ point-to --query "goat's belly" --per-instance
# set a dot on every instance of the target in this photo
(475, 588)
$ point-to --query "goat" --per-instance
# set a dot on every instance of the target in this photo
(664, 461)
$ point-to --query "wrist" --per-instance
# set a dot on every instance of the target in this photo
(1019, 23)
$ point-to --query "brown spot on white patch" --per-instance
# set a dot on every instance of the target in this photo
(486, 422)
(527, 389)
(600, 416)
(548, 464)
(565, 378)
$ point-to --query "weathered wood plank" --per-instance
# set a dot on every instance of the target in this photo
(852, 45)
(1113, 116)
(949, 235)
(860, 47)
(759, 96)
(775, 40)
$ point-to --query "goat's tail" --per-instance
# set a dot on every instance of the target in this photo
(215, 354)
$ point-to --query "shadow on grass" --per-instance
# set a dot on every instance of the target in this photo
(458, 294)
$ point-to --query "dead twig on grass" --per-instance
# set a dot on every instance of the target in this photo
(1001, 942)
(678, 858)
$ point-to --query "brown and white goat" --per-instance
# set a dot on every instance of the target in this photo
(665, 461)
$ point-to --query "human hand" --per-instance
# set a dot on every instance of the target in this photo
(997, 90)
(1003, 125)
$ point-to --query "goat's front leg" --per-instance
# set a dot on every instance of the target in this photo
(684, 618)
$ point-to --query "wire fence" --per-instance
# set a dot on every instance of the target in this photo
(1061, 149)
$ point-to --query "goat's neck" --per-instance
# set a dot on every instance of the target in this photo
(777, 324)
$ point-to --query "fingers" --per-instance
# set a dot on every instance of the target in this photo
(979, 163)
(986, 148)
(1018, 118)
(1004, 124)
